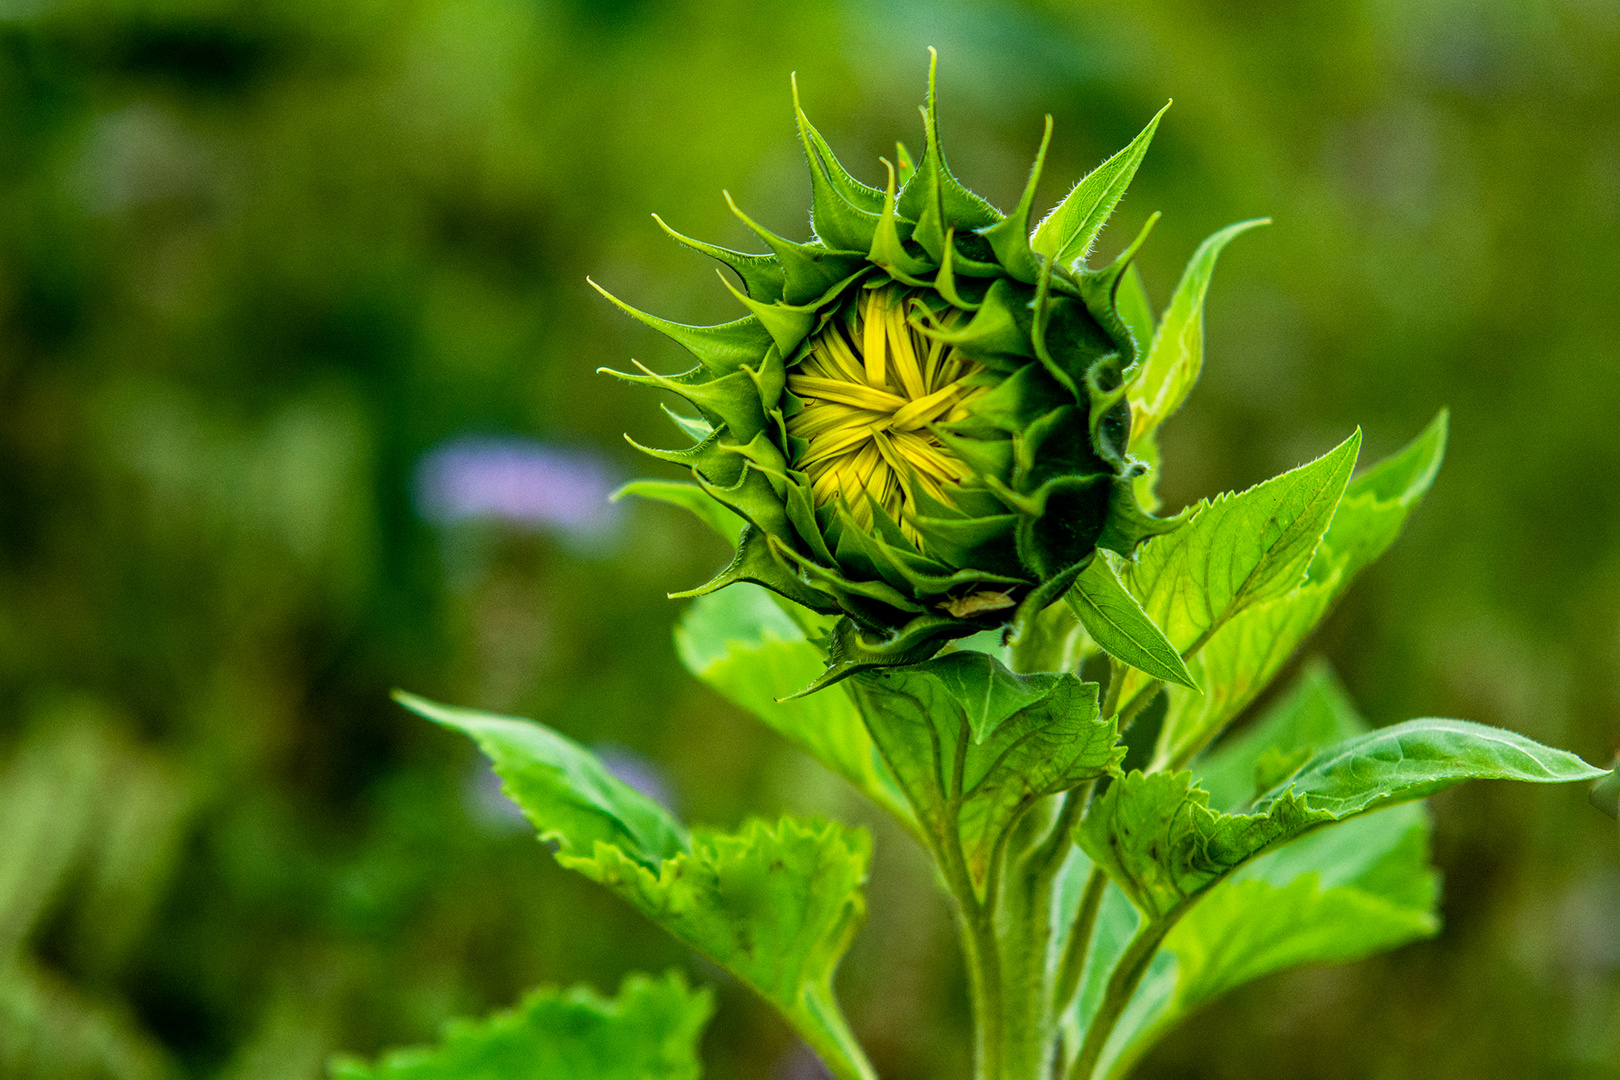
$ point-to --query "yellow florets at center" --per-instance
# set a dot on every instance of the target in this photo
(872, 386)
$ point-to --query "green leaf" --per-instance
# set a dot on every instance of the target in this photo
(721, 349)
(1066, 234)
(649, 1032)
(691, 497)
(1417, 759)
(1119, 626)
(843, 211)
(1335, 895)
(1237, 551)
(1177, 354)
(740, 642)
(974, 745)
(776, 906)
(563, 789)
(1157, 838)
(761, 275)
(1240, 660)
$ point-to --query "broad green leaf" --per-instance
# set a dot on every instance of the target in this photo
(741, 643)
(1119, 626)
(1417, 759)
(1336, 895)
(1241, 658)
(688, 496)
(1314, 714)
(649, 1032)
(1236, 551)
(562, 788)
(1067, 232)
(1332, 895)
(1177, 354)
(1252, 926)
(776, 906)
(1157, 838)
(974, 745)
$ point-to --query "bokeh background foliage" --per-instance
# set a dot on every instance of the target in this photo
(258, 260)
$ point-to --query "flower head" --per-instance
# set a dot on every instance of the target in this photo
(873, 388)
(923, 418)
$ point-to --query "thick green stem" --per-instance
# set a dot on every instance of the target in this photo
(984, 973)
(979, 942)
(1024, 926)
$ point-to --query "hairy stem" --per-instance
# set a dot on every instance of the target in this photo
(1116, 687)
(979, 942)
(1139, 701)
(983, 955)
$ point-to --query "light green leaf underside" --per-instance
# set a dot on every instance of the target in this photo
(649, 1032)
(562, 788)
(1159, 840)
(1235, 552)
(1177, 354)
(1417, 759)
(776, 905)
(1119, 626)
(973, 745)
(1243, 656)
(691, 497)
(1068, 231)
(741, 643)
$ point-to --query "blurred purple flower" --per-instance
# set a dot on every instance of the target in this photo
(800, 1063)
(637, 771)
(519, 481)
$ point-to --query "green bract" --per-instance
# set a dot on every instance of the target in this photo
(923, 418)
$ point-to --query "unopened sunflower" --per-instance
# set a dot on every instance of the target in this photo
(922, 418)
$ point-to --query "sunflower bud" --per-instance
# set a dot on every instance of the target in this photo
(923, 418)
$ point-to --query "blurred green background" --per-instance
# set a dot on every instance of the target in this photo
(262, 263)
